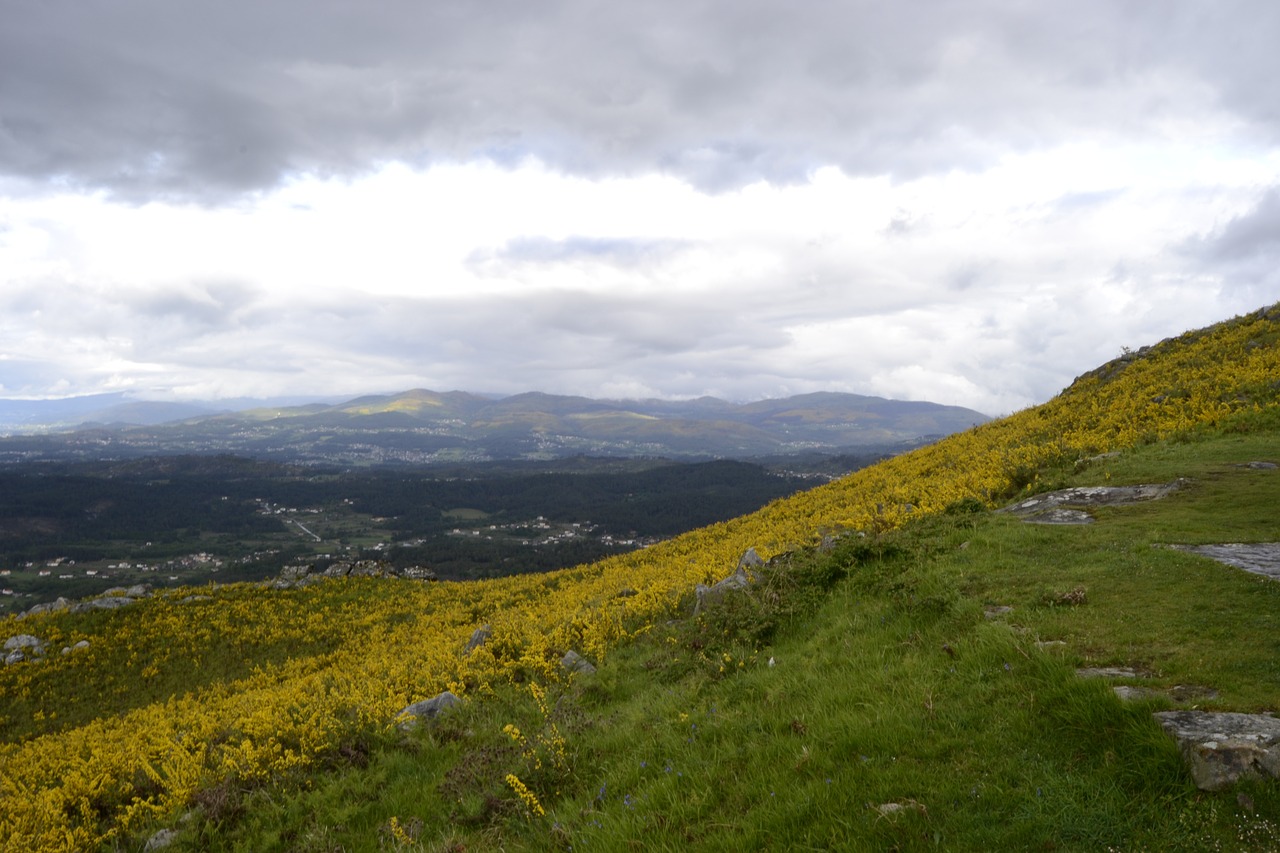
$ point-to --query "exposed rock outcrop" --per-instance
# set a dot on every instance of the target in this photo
(743, 577)
(1222, 748)
(1261, 558)
(1069, 506)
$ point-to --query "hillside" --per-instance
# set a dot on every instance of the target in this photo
(426, 427)
(870, 693)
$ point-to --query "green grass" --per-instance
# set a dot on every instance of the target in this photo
(888, 685)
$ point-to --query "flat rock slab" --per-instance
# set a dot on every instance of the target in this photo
(1222, 748)
(1262, 558)
(1066, 506)
(1108, 672)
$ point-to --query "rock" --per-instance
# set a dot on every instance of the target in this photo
(1125, 693)
(109, 603)
(293, 573)
(1191, 693)
(427, 709)
(24, 642)
(1063, 506)
(116, 590)
(49, 607)
(1261, 558)
(1261, 466)
(750, 560)
(996, 611)
(1059, 516)
(138, 590)
(574, 662)
(418, 573)
(479, 637)
(368, 569)
(193, 598)
(711, 595)
(337, 570)
(161, 840)
(15, 656)
(1222, 748)
(1107, 672)
(83, 644)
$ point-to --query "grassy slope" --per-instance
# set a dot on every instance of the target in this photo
(993, 745)
(890, 686)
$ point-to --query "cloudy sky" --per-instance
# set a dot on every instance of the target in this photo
(966, 202)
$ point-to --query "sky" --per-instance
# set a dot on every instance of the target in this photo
(964, 202)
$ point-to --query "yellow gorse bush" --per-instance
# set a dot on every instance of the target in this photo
(376, 645)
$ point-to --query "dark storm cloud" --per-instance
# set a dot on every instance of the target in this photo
(205, 101)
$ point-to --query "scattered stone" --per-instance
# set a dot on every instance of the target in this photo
(574, 662)
(1261, 466)
(1108, 672)
(22, 647)
(1125, 693)
(479, 637)
(1050, 644)
(193, 598)
(1222, 748)
(1260, 558)
(750, 560)
(161, 840)
(138, 590)
(996, 611)
(427, 709)
(115, 590)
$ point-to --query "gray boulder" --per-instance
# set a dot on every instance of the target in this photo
(574, 662)
(750, 560)
(479, 637)
(710, 596)
(49, 607)
(1222, 748)
(293, 573)
(22, 647)
(427, 709)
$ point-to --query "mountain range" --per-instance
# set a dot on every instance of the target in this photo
(422, 426)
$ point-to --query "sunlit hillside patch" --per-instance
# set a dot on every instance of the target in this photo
(253, 684)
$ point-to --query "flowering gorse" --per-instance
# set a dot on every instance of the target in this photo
(301, 672)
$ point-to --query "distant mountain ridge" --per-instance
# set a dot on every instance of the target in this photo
(424, 426)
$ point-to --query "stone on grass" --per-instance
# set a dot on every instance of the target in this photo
(574, 662)
(161, 840)
(1222, 748)
(741, 579)
(427, 709)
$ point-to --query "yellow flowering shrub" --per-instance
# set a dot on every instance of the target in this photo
(271, 681)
